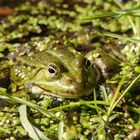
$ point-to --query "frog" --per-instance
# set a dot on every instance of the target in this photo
(61, 71)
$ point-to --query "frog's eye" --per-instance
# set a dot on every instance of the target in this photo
(53, 70)
(87, 63)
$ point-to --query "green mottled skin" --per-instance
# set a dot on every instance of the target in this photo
(73, 77)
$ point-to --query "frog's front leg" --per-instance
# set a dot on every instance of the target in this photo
(107, 64)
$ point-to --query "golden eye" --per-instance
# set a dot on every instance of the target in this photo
(53, 70)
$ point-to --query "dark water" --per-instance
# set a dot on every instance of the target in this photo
(14, 3)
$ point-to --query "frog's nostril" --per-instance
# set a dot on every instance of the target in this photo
(70, 81)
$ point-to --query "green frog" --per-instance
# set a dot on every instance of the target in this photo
(61, 71)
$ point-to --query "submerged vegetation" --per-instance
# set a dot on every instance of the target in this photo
(111, 111)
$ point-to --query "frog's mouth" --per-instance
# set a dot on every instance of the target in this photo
(79, 92)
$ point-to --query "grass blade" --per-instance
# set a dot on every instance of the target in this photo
(5, 96)
(34, 132)
(109, 34)
(130, 12)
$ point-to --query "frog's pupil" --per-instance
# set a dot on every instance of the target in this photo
(51, 70)
(88, 63)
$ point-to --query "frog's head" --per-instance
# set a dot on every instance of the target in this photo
(63, 72)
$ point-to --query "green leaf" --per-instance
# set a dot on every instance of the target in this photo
(109, 34)
(34, 132)
(131, 12)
